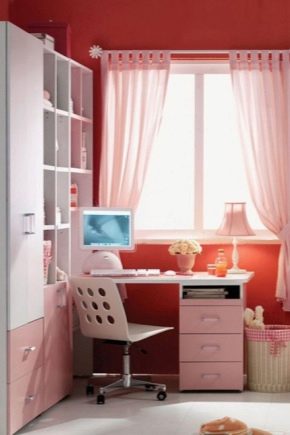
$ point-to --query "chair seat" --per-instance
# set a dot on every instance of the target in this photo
(138, 332)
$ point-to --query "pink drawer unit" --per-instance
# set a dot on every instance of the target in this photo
(211, 319)
(26, 399)
(211, 376)
(25, 349)
(211, 347)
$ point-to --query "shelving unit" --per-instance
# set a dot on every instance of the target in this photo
(67, 126)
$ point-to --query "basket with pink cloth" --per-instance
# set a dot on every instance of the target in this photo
(268, 356)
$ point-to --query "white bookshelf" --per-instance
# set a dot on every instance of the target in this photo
(68, 123)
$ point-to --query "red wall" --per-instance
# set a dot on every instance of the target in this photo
(172, 24)
(4, 10)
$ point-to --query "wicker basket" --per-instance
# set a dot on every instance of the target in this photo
(268, 354)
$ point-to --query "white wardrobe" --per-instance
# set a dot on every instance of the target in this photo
(21, 194)
(35, 316)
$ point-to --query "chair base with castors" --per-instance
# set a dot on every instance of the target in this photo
(127, 381)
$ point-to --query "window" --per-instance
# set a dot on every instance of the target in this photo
(196, 163)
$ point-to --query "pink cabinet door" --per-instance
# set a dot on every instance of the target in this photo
(25, 399)
(57, 344)
(211, 319)
(25, 349)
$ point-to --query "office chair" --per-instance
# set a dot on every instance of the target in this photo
(102, 315)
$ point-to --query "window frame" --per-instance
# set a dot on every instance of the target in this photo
(199, 68)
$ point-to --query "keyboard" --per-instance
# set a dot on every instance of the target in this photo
(125, 272)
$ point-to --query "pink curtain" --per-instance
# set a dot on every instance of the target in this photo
(261, 88)
(134, 86)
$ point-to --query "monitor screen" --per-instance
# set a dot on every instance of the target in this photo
(106, 228)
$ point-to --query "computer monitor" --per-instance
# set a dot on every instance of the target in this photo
(106, 228)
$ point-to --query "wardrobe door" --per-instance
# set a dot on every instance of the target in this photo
(3, 231)
(25, 161)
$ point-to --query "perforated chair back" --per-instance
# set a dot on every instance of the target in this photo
(100, 308)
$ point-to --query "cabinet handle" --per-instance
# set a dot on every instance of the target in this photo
(210, 347)
(30, 349)
(210, 319)
(210, 375)
(29, 223)
(30, 398)
(61, 297)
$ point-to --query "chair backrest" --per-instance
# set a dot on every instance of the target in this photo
(100, 308)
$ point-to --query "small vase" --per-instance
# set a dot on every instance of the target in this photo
(185, 263)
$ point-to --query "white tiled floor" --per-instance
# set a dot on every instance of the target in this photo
(139, 413)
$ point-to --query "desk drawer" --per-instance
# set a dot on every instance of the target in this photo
(211, 376)
(25, 349)
(211, 319)
(211, 347)
(26, 399)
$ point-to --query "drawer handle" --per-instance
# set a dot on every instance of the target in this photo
(30, 349)
(210, 319)
(210, 347)
(210, 375)
(30, 398)
(62, 298)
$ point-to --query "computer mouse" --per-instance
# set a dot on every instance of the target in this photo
(169, 272)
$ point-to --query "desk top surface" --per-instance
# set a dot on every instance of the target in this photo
(198, 278)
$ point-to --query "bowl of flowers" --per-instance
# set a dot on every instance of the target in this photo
(185, 252)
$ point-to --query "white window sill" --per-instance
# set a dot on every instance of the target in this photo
(207, 238)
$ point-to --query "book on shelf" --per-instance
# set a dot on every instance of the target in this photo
(205, 293)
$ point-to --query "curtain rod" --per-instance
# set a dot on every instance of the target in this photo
(199, 51)
(96, 51)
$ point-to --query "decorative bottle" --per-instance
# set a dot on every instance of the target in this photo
(221, 263)
(74, 195)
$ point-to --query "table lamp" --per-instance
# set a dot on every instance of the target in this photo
(235, 223)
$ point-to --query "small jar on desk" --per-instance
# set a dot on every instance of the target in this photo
(221, 264)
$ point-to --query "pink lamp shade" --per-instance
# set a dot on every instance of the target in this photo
(235, 222)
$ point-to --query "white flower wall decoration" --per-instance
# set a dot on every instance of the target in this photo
(95, 51)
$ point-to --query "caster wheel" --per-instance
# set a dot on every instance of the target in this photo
(161, 395)
(100, 399)
(90, 390)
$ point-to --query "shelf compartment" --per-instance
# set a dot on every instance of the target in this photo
(49, 66)
(81, 134)
(63, 250)
(85, 188)
(62, 80)
(49, 197)
(63, 141)
(49, 134)
(63, 196)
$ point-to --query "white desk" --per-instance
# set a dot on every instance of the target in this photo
(211, 331)
(197, 279)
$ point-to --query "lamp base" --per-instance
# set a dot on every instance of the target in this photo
(237, 270)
